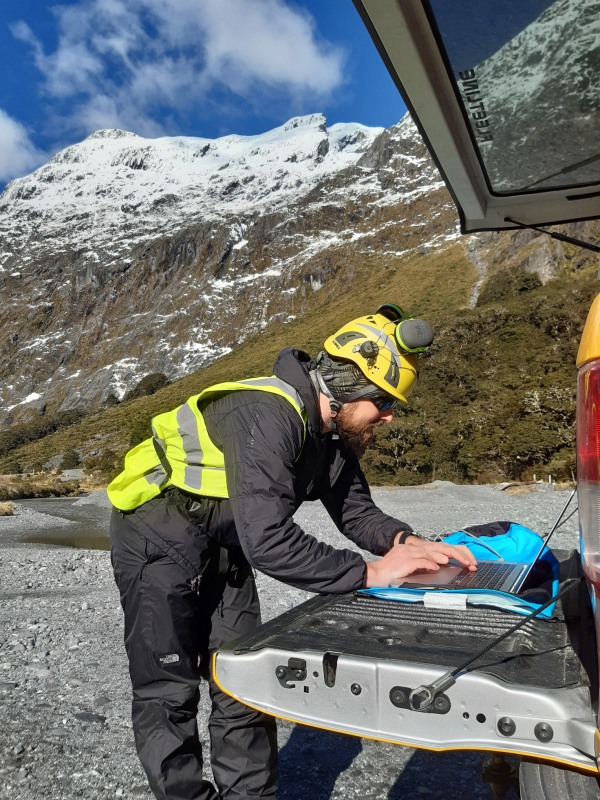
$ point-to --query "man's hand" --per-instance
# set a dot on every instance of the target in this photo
(404, 559)
(460, 552)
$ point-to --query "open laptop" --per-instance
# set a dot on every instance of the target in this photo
(502, 576)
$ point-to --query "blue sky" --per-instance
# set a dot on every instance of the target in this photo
(180, 67)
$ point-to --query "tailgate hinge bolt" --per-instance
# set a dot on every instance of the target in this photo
(543, 732)
(506, 726)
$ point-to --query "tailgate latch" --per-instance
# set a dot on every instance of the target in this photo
(423, 696)
(295, 671)
(401, 697)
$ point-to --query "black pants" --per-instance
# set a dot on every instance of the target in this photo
(170, 633)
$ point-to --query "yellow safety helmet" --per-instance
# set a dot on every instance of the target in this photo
(385, 347)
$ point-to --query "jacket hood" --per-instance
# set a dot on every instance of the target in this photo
(293, 366)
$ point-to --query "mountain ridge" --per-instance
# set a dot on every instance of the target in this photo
(107, 301)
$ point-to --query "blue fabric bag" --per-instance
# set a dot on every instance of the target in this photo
(517, 544)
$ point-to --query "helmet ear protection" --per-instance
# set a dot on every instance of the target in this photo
(412, 335)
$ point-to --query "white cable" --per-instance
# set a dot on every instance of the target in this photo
(484, 544)
(450, 531)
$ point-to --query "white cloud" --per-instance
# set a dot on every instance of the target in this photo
(268, 41)
(123, 62)
(18, 154)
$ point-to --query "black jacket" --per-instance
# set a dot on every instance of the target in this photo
(271, 470)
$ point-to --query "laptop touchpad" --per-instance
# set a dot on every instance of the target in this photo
(425, 577)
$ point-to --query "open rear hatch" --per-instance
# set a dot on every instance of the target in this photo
(347, 663)
(507, 98)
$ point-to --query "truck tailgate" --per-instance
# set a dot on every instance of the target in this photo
(346, 663)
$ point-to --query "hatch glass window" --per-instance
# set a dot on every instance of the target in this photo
(528, 75)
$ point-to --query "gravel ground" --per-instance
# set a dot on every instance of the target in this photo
(64, 690)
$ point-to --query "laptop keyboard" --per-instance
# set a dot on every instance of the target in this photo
(490, 576)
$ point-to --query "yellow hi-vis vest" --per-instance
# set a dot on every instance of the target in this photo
(180, 451)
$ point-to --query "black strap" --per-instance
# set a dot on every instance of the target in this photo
(404, 536)
(558, 236)
(162, 456)
(223, 561)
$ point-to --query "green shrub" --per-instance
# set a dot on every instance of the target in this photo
(506, 284)
(140, 429)
(106, 465)
(70, 460)
(12, 467)
(148, 385)
(41, 426)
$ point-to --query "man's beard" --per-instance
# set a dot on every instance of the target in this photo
(356, 435)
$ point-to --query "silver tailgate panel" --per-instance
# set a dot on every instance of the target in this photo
(250, 677)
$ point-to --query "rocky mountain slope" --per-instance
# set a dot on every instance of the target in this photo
(495, 400)
(125, 256)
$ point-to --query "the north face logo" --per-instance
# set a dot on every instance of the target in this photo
(172, 658)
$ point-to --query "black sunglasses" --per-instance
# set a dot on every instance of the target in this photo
(385, 403)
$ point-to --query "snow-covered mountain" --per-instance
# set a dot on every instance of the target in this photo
(115, 188)
(124, 256)
(541, 92)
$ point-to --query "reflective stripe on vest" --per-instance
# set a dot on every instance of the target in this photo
(182, 453)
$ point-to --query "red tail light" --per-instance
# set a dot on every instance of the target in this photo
(588, 422)
(588, 465)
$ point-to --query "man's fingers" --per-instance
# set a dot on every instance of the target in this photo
(460, 552)
(398, 563)
(436, 554)
(464, 555)
(431, 556)
(406, 559)
(424, 563)
(425, 560)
